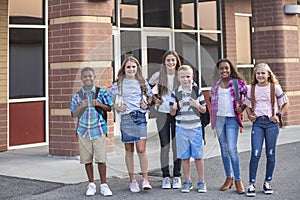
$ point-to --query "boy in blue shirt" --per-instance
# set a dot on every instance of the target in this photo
(188, 127)
(92, 129)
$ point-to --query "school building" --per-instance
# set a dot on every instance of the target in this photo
(45, 43)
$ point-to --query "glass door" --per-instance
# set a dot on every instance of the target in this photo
(155, 45)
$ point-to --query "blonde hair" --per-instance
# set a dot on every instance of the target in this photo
(138, 76)
(185, 68)
(271, 79)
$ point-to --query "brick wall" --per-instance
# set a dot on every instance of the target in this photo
(276, 42)
(3, 73)
(80, 35)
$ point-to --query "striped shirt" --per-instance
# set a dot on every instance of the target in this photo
(186, 117)
(91, 123)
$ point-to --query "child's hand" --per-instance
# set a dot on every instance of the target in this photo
(180, 104)
(95, 102)
(173, 109)
(121, 108)
(157, 100)
(194, 103)
(274, 119)
(144, 106)
(252, 117)
(84, 103)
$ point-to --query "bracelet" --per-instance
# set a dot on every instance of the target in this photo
(279, 115)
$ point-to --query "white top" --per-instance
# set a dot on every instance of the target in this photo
(225, 106)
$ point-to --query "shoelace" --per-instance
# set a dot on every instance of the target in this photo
(267, 185)
(251, 188)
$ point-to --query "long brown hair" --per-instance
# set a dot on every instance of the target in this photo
(138, 75)
(163, 79)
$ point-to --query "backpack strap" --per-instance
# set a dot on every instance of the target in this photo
(236, 90)
(252, 98)
(272, 93)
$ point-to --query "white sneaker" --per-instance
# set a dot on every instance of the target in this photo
(176, 183)
(91, 189)
(146, 185)
(166, 184)
(134, 186)
(104, 190)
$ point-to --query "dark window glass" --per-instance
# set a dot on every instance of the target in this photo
(247, 73)
(26, 63)
(208, 15)
(210, 48)
(130, 13)
(184, 14)
(186, 47)
(156, 13)
(26, 12)
(131, 45)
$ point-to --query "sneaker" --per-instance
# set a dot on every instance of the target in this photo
(91, 189)
(176, 182)
(187, 186)
(267, 188)
(134, 186)
(202, 187)
(251, 191)
(166, 184)
(104, 190)
(146, 185)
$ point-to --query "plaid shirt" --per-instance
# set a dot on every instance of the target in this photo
(91, 123)
(242, 88)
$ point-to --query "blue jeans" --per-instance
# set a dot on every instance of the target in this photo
(263, 129)
(228, 130)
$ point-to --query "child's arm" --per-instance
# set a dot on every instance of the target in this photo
(80, 108)
(196, 104)
(251, 115)
(105, 107)
(173, 109)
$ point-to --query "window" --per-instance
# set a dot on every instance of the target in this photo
(130, 45)
(208, 15)
(129, 13)
(184, 15)
(243, 45)
(156, 13)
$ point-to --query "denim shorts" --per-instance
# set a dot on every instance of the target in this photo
(189, 143)
(133, 127)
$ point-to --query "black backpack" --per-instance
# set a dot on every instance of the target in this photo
(204, 117)
(98, 108)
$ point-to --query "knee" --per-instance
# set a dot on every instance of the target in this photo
(255, 155)
(271, 155)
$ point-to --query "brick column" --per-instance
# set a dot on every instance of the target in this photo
(228, 26)
(80, 35)
(276, 42)
(3, 73)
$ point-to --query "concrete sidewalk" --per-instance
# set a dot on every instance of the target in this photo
(35, 163)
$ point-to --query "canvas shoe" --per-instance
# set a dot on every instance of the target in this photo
(91, 189)
(202, 187)
(166, 184)
(251, 191)
(146, 185)
(104, 190)
(267, 188)
(187, 186)
(176, 182)
(134, 186)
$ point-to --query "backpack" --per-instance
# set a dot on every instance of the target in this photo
(98, 108)
(204, 117)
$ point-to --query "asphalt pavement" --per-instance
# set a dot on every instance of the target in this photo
(33, 174)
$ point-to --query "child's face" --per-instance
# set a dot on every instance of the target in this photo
(185, 77)
(130, 70)
(170, 62)
(87, 79)
(224, 70)
(262, 75)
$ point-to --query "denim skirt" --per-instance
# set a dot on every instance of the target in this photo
(133, 127)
